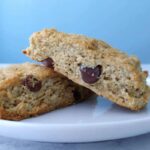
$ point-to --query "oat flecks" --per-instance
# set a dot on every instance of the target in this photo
(21, 97)
(69, 50)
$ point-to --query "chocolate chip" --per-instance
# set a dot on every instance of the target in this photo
(48, 62)
(91, 75)
(77, 95)
(33, 84)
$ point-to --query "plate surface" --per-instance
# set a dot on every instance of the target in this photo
(93, 120)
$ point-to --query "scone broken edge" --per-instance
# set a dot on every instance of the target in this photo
(120, 79)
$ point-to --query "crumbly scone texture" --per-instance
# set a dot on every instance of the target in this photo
(28, 90)
(119, 78)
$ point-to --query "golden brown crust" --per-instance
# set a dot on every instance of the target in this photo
(12, 74)
(19, 116)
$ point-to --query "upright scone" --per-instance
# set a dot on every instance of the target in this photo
(93, 64)
(29, 90)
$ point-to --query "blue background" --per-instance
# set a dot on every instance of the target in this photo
(125, 24)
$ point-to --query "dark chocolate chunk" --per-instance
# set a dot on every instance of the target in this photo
(91, 75)
(33, 84)
(48, 62)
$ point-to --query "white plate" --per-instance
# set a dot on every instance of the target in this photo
(94, 120)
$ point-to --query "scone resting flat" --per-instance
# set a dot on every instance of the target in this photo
(93, 64)
(29, 90)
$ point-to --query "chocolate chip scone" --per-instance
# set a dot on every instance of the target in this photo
(29, 90)
(93, 64)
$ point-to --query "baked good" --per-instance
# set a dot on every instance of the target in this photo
(29, 90)
(93, 64)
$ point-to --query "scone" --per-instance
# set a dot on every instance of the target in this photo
(29, 90)
(93, 64)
